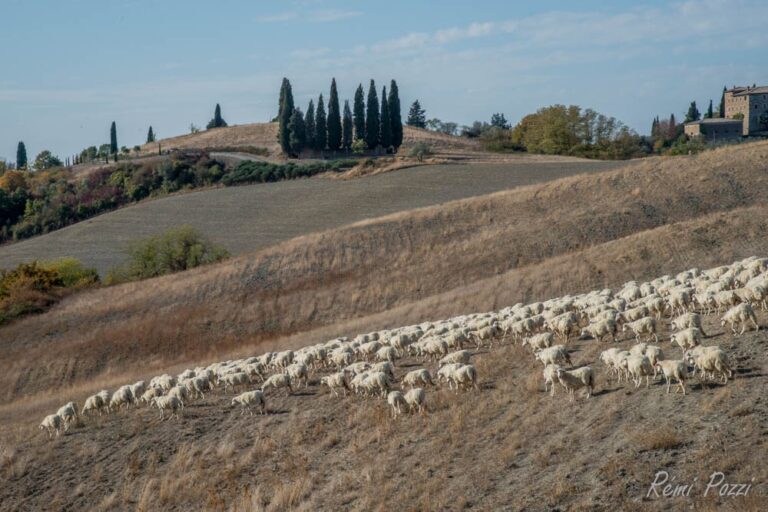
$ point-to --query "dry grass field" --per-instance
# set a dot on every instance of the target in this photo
(247, 218)
(507, 446)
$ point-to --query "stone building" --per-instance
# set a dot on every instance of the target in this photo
(715, 129)
(752, 104)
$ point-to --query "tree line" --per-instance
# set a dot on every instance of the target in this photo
(369, 124)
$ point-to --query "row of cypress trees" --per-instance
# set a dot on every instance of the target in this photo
(376, 124)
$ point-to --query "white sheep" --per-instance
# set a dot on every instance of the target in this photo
(415, 399)
(460, 356)
(550, 376)
(639, 366)
(149, 394)
(234, 380)
(376, 383)
(572, 380)
(137, 389)
(710, 359)
(335, 381)
(51, 424)
(674, 369)
(386, 354)
(488, 333)
(687, 338)
(742, 313)
(417, 377)
(248, 399)
(539, 341)
(122, 397)
(687, 320)
(180, 392)
(397, 401)
(167, 403)
(197, 386)
(645, 325)
(277, 381)
(556, 354)
(298, 373)
(93, 403)
(600, 329)
(68, 414)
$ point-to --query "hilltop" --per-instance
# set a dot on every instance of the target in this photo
(507, 444)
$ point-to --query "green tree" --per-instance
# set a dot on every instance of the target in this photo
(358, 112)
(113, 139)
(298, 132)
(396, 119)
(21, 156)
(710, 114)
(334, 119)
(499, 121)
(346, 127)
(217, 121)
(309, 125)
(285, 112)
(672, 128)
(385, 130)
(693, 113)
(722, 104)
(46, 160)
(321, 126)
(372, 126)
(150, 135)
(417, 116)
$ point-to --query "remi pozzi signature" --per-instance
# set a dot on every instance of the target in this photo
(664, 486)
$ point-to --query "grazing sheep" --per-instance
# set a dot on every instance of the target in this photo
(563, 325)
(386, 367)
(68, 414)
(397, 401)
(572, 380)
(164, 382)
(674, 369)
(149, 394)
(368, 350)
(687, 338)
(742, 313)
(248, 399)
(600, 329)
(687, 320)
(556, 354)
(93, 403)
(283, 359)
(633, 314)
(234, 380)
(357, 368)
(639, 366)
(386, 354)
(297, 372)
(335, 381)
(460, 356)
(51, 424)
(415, 399)
(417, 377)
(709, 359)
(137, 389)
(180, 392)
(122, 397)
(550, 376)
(488, 334)
(197, 386)
(539, 341)
(376, 383)
(462, 375)
(167, 403)
(645, 325)
(341, 358)
(277, 381)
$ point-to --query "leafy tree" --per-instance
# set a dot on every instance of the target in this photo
(45, 160)
(346, 127)
(150, 135)
(359, 146)
(321, 126)
(298, 132)
(217, 121)
(334, 119)
(448, 127)
(498, 120)
(417, 116)
(693, 113)
(722, 103)
(420, 150)
(21, 156)
(359, 112)
(193, 128)
(475, 130)
(385, 130)
(285, 112)
(113, 139)
(396, 119)
(710, 114)
(309, 125)
(372, 123)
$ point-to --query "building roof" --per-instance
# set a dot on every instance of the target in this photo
(716, 120)
(744, 91)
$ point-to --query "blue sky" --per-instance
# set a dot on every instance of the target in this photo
(73, 66)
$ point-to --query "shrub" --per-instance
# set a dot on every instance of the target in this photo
(420, 150)
(72, 272)
(175, 250)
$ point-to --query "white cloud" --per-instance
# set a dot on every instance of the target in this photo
(319, 16)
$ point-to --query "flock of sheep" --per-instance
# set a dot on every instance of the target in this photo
(365, 365)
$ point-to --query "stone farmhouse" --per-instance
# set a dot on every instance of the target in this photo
(746, 113)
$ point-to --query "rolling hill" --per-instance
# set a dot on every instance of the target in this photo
(505, 446)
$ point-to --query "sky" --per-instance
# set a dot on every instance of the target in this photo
(71, 67)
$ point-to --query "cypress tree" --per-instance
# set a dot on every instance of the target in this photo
(309, 125)
(346, 127)
(113, 139)
(372, 125)
(693, 113)
(334, 119)
(217, 120)
(417, 116)
(385, 130)
(672, 133)
(150, 135)
(21, 156)
(655, 127)
(395, 117)
(298, 132)
(709, 114)
(284, 116)
(358, 110)
(321, 126)
(722, 103)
